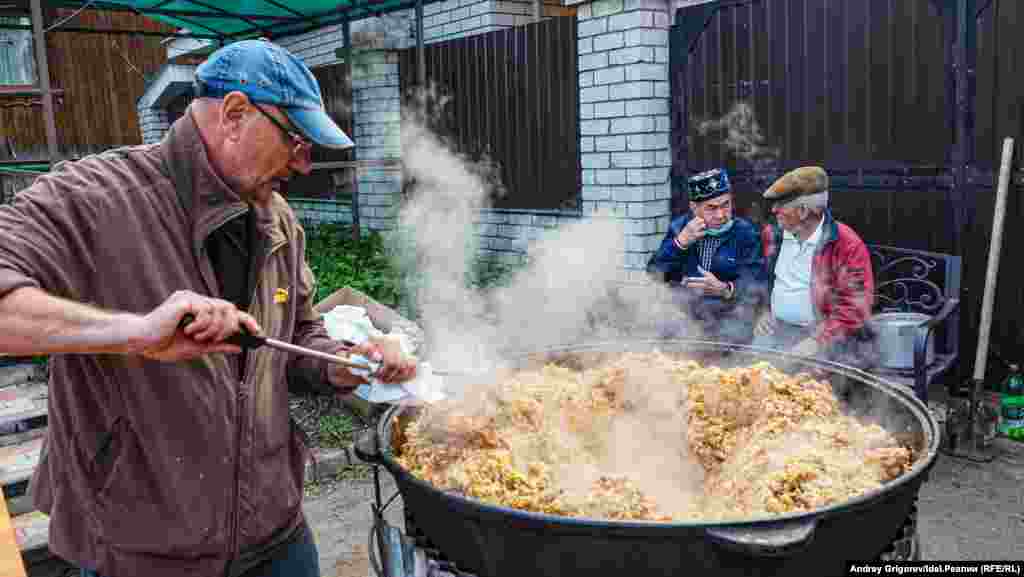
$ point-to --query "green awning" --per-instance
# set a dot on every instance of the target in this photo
(240, 19)
(26, 168)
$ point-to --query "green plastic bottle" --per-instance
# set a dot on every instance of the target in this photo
(1011, 405)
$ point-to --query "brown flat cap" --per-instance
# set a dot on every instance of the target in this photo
(800, 182)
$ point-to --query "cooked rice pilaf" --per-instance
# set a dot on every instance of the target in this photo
(767, 442)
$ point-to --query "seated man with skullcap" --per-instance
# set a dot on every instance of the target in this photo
(712, 261)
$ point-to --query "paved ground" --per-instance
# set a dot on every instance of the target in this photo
(972, 511)
(968, 511)
(341, 518)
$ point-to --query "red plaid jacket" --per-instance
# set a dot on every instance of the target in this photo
(842, 282)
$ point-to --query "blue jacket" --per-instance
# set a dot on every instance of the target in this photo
(738, 260)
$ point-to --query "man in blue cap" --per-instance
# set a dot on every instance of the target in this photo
(170, 452)
(714, 259)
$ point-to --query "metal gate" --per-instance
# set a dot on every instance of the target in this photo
(904, 102)
(516, 104)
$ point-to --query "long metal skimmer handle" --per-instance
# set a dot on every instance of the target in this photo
(281, 345)
(244, 339)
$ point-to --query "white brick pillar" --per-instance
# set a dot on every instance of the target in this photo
(624, 117)
(153, 123)
(377, 120)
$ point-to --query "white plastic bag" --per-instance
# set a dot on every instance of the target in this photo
(350, 323)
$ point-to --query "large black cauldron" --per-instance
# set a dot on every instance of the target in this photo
(496, 541)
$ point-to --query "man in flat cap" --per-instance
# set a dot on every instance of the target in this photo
(818, 271)
(714, 257)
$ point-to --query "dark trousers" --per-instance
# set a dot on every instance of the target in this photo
(299, 558)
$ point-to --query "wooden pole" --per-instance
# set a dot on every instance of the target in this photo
(988, 301)
(43, 69)
(991, 275)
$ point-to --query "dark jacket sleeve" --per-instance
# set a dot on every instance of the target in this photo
(45, 234)
(852, 292)
(669, 262)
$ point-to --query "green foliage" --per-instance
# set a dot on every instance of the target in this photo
(338, 261)
(486, 275)
(336, 430)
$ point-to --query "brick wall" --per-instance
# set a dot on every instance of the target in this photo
(313, 211)
(624, 118)
(505, 234)
(624, 128)
(154, 124)
(453, 19)
(377, 120)
(375, 101)
(457, 18)
(171, 81)
(316, 48)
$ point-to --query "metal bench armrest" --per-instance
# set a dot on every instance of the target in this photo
(921, 336)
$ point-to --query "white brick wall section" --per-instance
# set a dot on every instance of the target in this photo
(612, 75)
(153, 123)
(624, 116)
(615, 143)
(376, 117)
(316, 48)
(611, 109)
(454, 19)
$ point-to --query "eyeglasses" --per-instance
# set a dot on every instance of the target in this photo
(300, 144)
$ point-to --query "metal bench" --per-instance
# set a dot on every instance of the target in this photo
(914, 281)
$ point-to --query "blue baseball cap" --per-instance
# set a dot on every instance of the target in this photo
(269, 74)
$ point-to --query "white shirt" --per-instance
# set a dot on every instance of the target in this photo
(791, 295)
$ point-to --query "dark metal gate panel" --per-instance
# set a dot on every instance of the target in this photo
(514, 100)
(337, 184)
(853, 86)
(995, 77)
(905, 103)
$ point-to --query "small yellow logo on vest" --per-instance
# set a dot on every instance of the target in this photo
(281, 296)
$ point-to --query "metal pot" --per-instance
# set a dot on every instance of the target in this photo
(494, 541)
(895, 339)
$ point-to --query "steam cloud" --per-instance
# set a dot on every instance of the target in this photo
(741, 135)
(560, 298)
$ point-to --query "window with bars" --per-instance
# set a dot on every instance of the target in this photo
(17, 60)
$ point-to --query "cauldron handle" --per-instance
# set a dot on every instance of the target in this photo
(367, 448)
(768, 540)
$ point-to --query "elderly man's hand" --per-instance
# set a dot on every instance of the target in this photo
(708, 284)
(395, 365)
(692, 232)
(159, 336)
